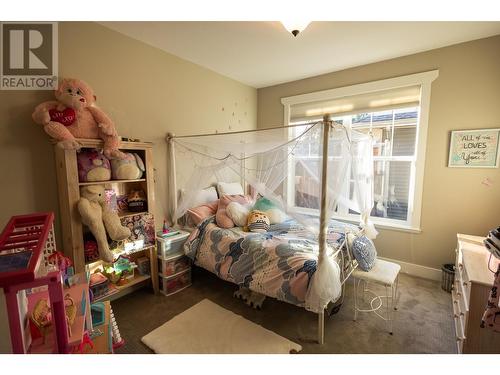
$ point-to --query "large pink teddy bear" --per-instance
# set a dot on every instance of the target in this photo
(74, 115)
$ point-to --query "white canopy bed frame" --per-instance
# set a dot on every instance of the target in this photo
(346, 265)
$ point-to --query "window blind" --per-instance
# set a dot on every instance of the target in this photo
(374, 101)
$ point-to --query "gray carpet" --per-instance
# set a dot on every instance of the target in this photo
(423, 324)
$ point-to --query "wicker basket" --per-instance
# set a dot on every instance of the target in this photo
(447, 277)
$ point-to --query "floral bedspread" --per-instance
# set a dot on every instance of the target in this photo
(279, 263)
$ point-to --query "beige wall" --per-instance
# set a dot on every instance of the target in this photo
(466, 95)
(147, 92)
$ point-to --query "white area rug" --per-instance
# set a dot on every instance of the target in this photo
(208, 328)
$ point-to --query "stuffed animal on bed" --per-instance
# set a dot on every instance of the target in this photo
(74, 115)
(257, 222)
(271, 210)
(238, 213)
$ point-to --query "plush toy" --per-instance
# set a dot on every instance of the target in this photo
(238, 213)
(130, 167)
(275, 215)
(96, 215)
(93, 166)
(74, 115)
(272, 211)
(136, 201)
(258, 222)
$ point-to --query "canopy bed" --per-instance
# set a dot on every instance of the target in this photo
(305, 258)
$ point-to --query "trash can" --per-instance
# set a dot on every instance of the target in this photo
(447, 277)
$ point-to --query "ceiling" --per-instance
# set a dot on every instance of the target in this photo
(262, 54)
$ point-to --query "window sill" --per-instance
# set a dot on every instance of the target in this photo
(378, 224)
(398, 228)
(386, 226)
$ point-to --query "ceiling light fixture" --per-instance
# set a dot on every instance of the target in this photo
(295, 27)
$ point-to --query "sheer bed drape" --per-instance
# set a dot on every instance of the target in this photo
(264, 158)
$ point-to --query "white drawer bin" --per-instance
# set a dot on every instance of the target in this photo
(174, 284)
(175, 264)
(170, 245)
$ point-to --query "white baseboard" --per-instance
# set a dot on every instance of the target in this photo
(417, 270)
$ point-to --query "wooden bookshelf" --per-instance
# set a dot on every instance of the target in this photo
(138, 282)
(130, 213)
(69, 194)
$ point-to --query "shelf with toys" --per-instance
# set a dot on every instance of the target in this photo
(101, 178)
(48, 306)
(118, 252)
(110, 182)
(50, 309)
(130, 213)
(129, 271)
(120, 291)
(127, 193)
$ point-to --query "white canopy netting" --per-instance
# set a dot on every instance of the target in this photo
(266, 159)
(285, 166)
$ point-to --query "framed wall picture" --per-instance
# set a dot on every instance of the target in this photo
(474, 148)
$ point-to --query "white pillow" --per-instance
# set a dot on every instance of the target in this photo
(203, 196)
(229, 188)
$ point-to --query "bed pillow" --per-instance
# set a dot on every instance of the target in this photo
(201, 212)
(229, 188)
(203, 196)
(365, 253)
(221, 217)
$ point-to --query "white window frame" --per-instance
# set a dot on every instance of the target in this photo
(424, 80)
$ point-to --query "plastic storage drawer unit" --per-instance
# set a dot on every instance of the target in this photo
(174, 284)
(174, 264)
(169, 245)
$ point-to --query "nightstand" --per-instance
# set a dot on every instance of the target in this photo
(471, 289)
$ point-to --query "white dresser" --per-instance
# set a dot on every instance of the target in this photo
(473, 282)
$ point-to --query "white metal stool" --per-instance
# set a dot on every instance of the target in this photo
(383, 273)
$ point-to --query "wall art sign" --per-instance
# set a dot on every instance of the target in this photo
(474, 148)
